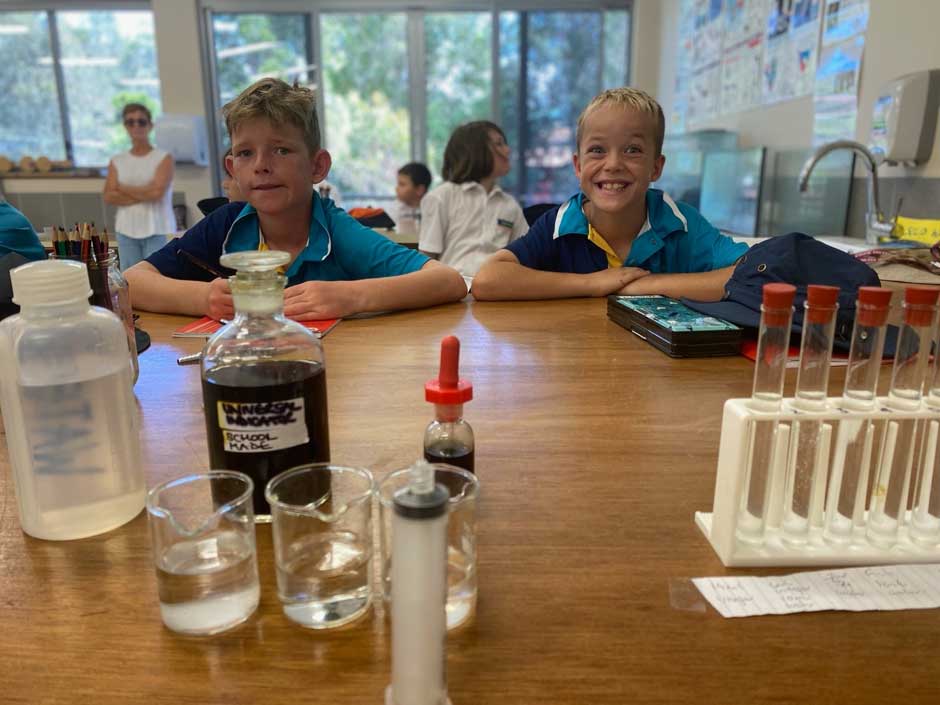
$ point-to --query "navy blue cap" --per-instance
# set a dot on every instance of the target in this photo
(795, 259)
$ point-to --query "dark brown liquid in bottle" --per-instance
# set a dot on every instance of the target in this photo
(260, 419)
(456, 454)
(450, 453)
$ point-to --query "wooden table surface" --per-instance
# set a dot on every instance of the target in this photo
(593, 451)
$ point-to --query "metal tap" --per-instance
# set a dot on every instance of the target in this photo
(876, 222)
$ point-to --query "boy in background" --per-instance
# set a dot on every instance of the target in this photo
(338, 267)
(617, 235)
(413, 181)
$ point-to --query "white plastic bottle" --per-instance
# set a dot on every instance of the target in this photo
(68, 406)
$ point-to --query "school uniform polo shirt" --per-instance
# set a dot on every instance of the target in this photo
(678, 240)
(464, 224)
(17, 235)
(338, 247)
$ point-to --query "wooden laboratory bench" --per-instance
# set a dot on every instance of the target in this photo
(593, 451)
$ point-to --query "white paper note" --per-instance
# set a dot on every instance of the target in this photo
(895, 587)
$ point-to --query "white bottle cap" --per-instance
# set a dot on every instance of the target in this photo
(48, 282)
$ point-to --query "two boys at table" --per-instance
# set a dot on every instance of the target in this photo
(616, 235)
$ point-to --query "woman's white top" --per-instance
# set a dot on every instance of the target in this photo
(148, 218)
(463, 224)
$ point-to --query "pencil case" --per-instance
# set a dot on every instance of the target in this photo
(674, 328)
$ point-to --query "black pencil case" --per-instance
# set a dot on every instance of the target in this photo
(674, 328)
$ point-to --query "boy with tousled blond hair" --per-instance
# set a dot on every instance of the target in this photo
(617, 235)
(338, 267)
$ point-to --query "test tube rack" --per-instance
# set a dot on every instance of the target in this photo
(721, 525)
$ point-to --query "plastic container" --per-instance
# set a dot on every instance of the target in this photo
(263, 381)
(67, 400)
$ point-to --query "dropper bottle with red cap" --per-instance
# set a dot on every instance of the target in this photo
(449, 439)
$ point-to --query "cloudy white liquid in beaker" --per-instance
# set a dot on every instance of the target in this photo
(208, 585)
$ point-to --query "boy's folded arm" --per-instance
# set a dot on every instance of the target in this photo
(698, 286)
(502, 278)
(152, 291)
(433, 284)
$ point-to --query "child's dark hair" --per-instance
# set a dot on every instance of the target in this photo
(419, 174)
(468, 155)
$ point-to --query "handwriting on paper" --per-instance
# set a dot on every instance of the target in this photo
(896, 587)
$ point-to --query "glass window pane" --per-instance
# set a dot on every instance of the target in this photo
(252, 46)
(459, 75)
(616, 38)
(108, 59)
(561, 54)
(365, 70)
(29, 112)
(511, 112)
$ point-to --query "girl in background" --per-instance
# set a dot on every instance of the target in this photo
(469, 217)
(140, 184)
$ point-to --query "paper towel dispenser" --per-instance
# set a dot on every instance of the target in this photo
(905, 118)
(183, 136)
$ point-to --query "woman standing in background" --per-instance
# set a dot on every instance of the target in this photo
(140, 184)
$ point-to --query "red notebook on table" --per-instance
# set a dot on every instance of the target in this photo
(839, 358)
(205, 327)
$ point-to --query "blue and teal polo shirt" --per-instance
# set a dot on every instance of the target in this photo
(679, 240)
(17, 235)
(338, 248)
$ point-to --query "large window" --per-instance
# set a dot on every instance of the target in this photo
(250, 46)
(30, 124)
(365, 82)
(394, 84)
(459, 76)
(64, 78)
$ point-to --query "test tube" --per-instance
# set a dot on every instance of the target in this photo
(809, 451)
(773, 343)
(925, 517)
(890, 490)
(851, 463)
(419, 591)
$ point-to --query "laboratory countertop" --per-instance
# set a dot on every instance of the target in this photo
(594, 450)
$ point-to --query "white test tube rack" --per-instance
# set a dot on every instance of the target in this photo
(721, 525)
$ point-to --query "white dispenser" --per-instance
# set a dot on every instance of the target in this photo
(68, 406)
(904, 119)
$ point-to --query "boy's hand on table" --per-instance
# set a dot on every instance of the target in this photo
(318, 300)
(613, 280)
(219, 303)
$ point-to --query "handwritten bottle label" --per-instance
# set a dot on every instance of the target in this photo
(262, 426)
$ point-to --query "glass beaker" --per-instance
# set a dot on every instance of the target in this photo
(464, 487)
(322, 517)
(203, 537)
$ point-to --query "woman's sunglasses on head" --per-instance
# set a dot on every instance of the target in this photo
(136, 122)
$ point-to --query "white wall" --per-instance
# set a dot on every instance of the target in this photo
(902, 37)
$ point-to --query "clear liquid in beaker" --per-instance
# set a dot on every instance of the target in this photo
(325, 580)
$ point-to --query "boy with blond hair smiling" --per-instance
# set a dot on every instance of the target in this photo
(617, 235)
(338, 267)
